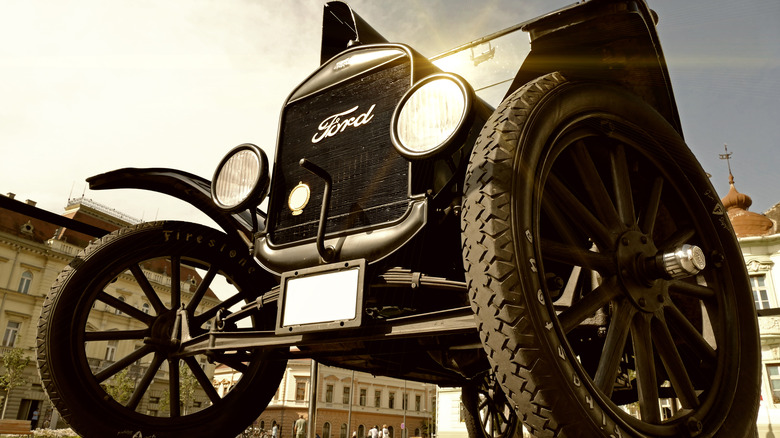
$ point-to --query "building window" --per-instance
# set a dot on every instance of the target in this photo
(363, 397)
(117, 311)
(329, 394)
(300, 390)
(417, 403)
(405, 402)
(145, 309)
(11, 333)
(25, 282)
(345, 397)
(391, 401)
(774, 381)
(760, 294)
(325, 430)
(377, 401)
(343, 430)
(111, 350)
(361, 431)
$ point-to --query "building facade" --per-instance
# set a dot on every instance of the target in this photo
(348, 402)
(759, 239)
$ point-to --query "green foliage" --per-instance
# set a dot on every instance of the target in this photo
(14, 364)
(188, 384)
(121, 387)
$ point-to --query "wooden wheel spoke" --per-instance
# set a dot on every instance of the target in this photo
(678, 238)
(115, 335)
(144, 383)
(614, 346)
(204, 381)
(202, 288)
(482, 403)
(174, 387)
(125, 308)
(148, 290)
(621, 185)
(577, 256)
(673, 363)
(560, 195)
(647, 384)
(651, 209)
(123, 363)
(593, 183)
(691, 290)
(586, 306)
(690, 335)
(237, 361)
(211, 313)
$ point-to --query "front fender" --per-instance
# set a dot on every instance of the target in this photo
(182, 185)
(602, 40)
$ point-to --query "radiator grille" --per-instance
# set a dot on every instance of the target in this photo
(370, 179)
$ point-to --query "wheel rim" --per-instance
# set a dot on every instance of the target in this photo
(604, 271)
(142, 354)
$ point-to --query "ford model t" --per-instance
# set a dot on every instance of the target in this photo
(519, 219)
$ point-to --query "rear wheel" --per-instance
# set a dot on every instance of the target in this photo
(489, 414)
(609, 290)
(111, 328)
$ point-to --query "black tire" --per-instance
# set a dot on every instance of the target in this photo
(574, 191)
(489, 414)
(83, 316)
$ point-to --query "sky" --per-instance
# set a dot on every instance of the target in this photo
(88, 86)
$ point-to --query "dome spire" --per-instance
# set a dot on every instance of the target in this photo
(727, 157)
(745, 223)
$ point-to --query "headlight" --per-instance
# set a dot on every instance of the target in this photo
(431, 116)
(241, 178)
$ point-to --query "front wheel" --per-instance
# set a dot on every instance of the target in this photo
(609, 290)
(112, 323)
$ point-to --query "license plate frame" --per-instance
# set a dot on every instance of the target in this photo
(321, 298)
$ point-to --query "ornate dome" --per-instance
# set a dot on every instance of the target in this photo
(745, 223)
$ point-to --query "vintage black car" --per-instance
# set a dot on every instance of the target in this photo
(520, 219)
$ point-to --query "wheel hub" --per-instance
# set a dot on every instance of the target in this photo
(639, 283)
(641, 265)
(162, 331)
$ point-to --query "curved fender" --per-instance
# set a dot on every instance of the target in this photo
(183, 185)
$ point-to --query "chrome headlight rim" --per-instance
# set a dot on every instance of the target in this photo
(258, 187)
(456, 137)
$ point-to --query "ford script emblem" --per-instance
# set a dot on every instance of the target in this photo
(336, 123)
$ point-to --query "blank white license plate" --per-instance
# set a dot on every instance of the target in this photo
(322, 298)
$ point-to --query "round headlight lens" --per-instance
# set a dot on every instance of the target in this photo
(241, 176)
(430, 115)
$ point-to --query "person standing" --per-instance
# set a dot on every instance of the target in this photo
(275, 430)
(385, 431)
(300, 427)
(374, 432)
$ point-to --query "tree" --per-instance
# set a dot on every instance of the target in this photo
(122, 387)
(188, 384)
(14, 362)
